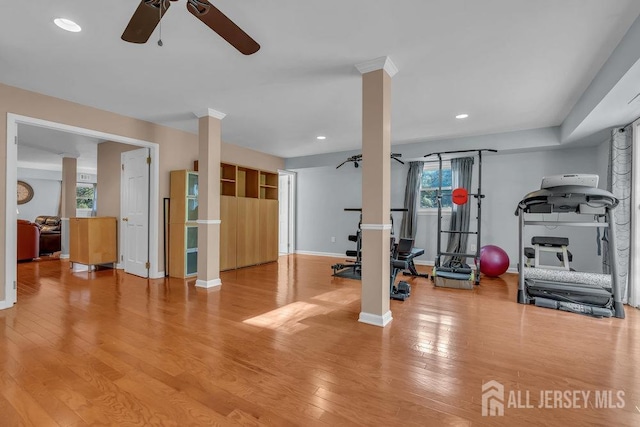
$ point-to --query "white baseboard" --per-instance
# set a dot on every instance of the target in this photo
(375, 319)
(327, 254)
(213, 283)
(6, 304)
(158, 275)
(64, 256)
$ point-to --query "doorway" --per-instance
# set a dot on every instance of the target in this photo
(286, 214)
(11, 203)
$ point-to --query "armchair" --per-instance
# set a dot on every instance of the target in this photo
(28, 240)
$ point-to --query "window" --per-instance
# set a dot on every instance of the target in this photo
(429, 186)
(85, 196)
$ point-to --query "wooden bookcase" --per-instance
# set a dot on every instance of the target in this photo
(183, 229)
(249, 216)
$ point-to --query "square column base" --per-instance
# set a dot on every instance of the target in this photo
(208, 284)
(375, 320)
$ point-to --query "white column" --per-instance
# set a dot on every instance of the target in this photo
(210, 140)
(68, 201)
(376, 195)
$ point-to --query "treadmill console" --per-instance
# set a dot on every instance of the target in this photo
(581, 179)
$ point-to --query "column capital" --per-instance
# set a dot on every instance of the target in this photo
(209, 112)
(382, 63)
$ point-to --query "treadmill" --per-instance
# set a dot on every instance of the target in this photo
(592, 294)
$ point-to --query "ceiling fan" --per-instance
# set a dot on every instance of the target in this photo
(150, 12)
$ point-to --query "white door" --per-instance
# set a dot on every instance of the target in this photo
(134, 224)
(286, 213)
(283, 214)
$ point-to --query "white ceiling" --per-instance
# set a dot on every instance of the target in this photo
(510, 64)
(43, 148)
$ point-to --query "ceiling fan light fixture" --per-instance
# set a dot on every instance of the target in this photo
(67, 25)
(462, 116)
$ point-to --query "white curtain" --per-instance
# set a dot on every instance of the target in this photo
(619, 177)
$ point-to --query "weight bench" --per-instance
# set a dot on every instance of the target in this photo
(557, 245)
(402, 255)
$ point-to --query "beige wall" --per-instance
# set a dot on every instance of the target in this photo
(109, 174)
(251, 158)
(177, 149)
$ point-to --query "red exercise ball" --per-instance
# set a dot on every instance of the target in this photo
(494, 261)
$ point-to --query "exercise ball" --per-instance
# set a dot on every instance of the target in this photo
(493, 260)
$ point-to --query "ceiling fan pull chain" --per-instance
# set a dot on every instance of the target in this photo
(160, 23)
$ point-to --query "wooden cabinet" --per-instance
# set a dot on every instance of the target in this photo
(228, 232)
(183, 228)
(268, 230)
(92, 240)
(249, 216)
(248, 250)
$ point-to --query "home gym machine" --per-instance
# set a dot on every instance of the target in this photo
(402, 258)
(351, 269)
(356, 159)
(454, 272)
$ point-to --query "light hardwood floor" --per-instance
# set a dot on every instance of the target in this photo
(280, 344)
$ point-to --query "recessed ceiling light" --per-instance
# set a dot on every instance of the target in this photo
(321, 137)
(462, 116)
(67, 24)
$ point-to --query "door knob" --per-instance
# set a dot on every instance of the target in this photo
(125, 219)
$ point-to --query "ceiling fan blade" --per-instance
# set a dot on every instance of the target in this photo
(144, 20)
(225, 27)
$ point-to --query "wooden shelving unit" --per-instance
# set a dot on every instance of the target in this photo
(247, 183)
(268, 185)
(228, 179)
(249, 216)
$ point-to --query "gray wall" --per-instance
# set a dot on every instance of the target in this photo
(46, 192)
(323, 192)
(322, 195)
(46, 199)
